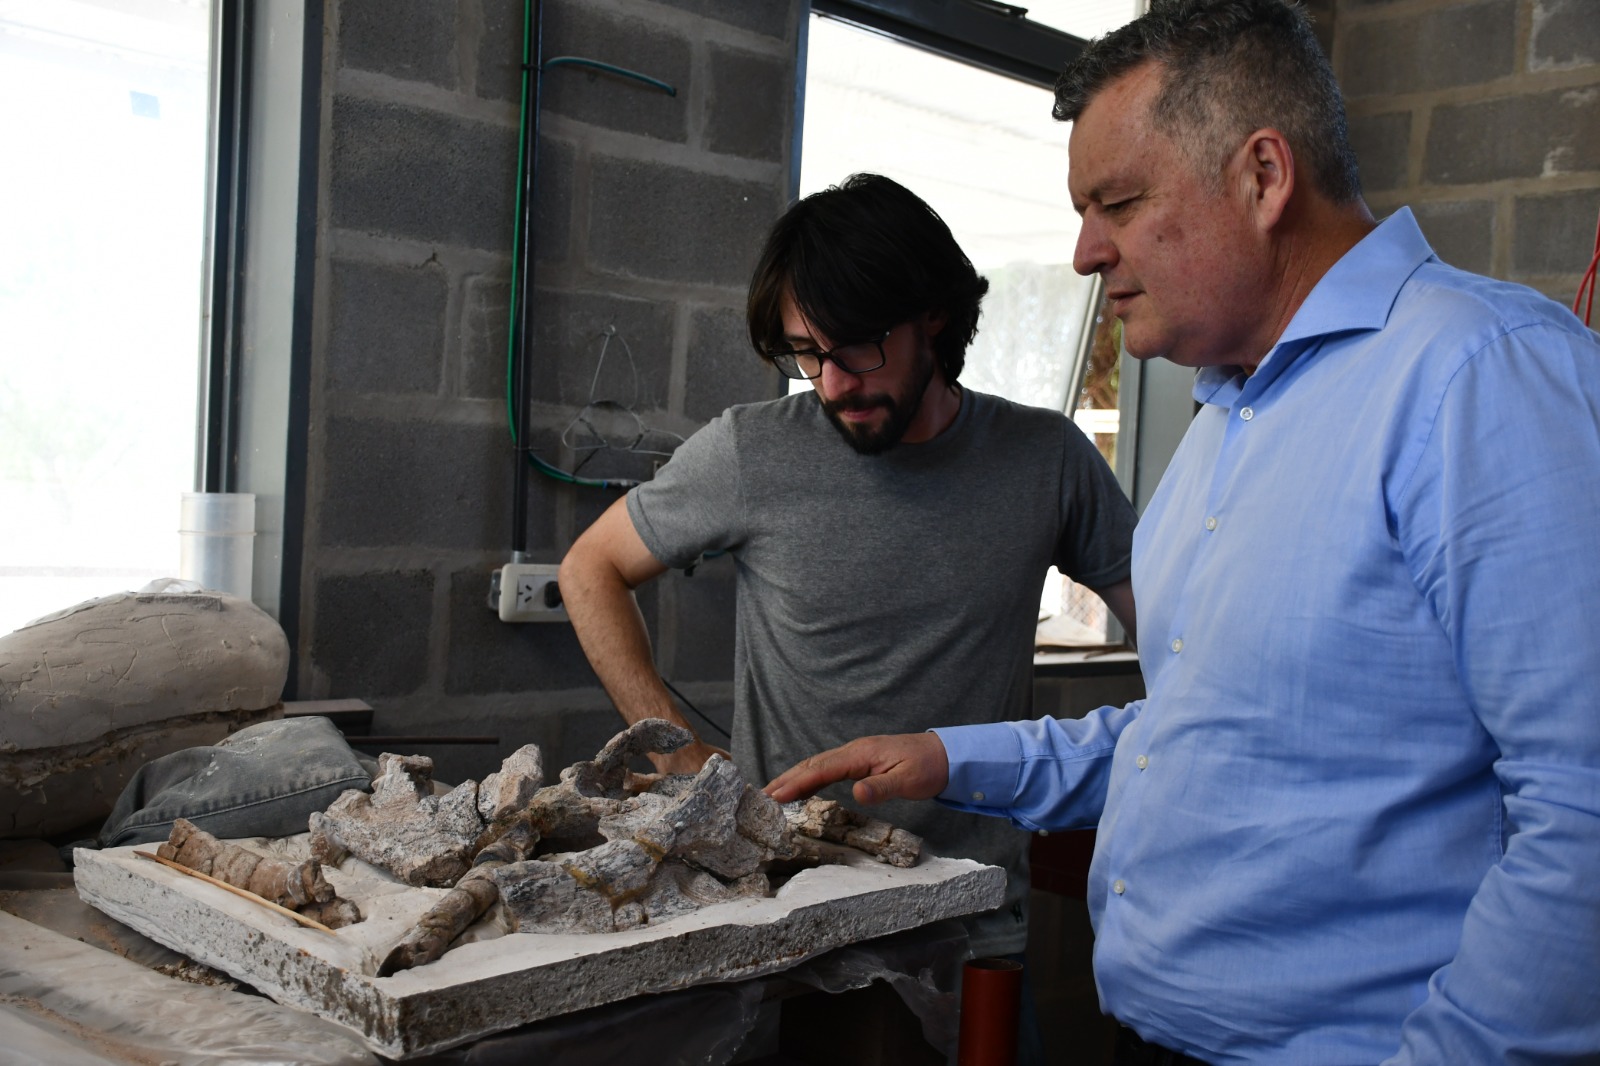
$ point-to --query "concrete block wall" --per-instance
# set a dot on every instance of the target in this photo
(649, 215)
(1484, 117)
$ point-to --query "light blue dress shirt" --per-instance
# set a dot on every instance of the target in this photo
(1357, 817)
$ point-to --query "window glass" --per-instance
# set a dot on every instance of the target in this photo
(1084, 18)
(104, 127)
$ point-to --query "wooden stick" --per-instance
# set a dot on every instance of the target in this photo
(236, 890)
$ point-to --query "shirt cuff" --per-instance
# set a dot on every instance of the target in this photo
(985, 764)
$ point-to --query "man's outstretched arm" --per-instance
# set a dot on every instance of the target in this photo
(902, 766)
(597, 580)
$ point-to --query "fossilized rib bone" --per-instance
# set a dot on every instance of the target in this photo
(298, 886)
(824, 819)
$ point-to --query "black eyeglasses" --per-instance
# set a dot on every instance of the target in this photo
(855, 358)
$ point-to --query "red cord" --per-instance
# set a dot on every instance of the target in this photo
(1588, 282)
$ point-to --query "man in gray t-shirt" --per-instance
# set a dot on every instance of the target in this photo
(891, 530)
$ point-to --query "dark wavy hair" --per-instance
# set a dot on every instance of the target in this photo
(1230, 67)
(860, 258)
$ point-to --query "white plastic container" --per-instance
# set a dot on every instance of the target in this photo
(216, 540)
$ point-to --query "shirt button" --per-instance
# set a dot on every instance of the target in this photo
(1246, 413)
(977, 797)
(1118, 887)
(1141, 762)
(1177, 645)
(1211, 523)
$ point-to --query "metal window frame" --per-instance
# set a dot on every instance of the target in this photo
(216, 451)
(995, 36)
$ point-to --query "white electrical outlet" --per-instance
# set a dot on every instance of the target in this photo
(525, 593)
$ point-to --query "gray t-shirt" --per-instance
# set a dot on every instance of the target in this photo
(889, 593)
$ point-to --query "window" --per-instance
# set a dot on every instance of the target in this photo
(982, 148)
(103, 114)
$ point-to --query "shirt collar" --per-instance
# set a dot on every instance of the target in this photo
(1357, 293)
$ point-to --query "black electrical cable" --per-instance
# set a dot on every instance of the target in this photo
(698, 713)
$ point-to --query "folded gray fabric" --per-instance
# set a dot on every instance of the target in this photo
(264, 780)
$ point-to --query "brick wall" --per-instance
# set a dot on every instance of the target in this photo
(650, 213)
(1484, 117)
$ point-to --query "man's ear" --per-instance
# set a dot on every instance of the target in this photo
(1266, 172)
(933, 322)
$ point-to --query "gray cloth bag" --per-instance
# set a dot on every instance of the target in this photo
(264, 780)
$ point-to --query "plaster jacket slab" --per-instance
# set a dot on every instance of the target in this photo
(501, 981)
(132, 659)
(91, 693)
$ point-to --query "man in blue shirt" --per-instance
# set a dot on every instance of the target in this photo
(1357, 817)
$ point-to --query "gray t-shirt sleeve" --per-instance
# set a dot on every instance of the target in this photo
(1096, 542)
(692, 505)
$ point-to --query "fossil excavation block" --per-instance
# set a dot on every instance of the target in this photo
(91, 693)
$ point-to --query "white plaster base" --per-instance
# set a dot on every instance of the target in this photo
(490, 985)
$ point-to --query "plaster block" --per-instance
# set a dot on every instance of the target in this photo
(498, 982)
(768, 17)
(371, 635)
(408, 172)
(419, 484)
(388, 327)
(1382, 145)
(1462, 232)
(723, 368)
(568, 332)
(1566, 33)
(657, 221)
(1464, 44)
(735, 127)
(488, 655)
(1555, 234)
(89, 694)
(409, 39)
(1538, 135)
(576, 28)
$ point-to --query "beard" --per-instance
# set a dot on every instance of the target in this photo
(901, 407)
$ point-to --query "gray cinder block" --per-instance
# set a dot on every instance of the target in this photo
(422, 484)
(723, 367)
(1382, 145)
(734, 127)
(407, 172)
(568, 332)
(769, 17)
(410, 39)
(1513, 137)
(603, 99)
(1566, 33)
(388, 327)
(371, 635)
(1462, 232)
(705, 614)
(654, 220)
(1463, 44)
(1555, 234)
(488, 655)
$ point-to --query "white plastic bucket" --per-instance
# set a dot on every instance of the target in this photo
(216, 540)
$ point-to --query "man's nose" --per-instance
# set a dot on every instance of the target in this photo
(1094, 252)
(835, 382)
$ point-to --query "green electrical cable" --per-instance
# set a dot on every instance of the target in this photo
(549, 469)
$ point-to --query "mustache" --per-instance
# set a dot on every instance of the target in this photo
(860, 403)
